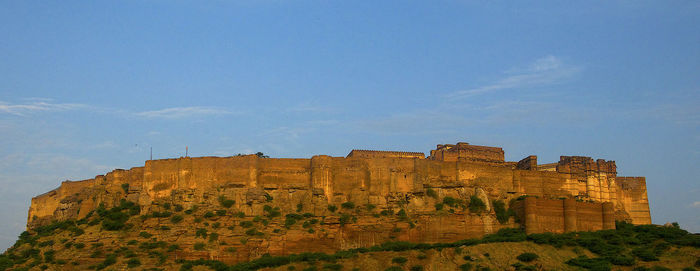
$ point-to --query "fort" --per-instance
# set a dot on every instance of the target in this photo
(575, 194)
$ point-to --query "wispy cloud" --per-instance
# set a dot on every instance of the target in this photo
(696, 204)
(183, 112)
(309, 107)
(38, 106)
(544, 71)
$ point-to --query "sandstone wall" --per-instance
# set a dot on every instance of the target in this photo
(564, 215)
(389, 183)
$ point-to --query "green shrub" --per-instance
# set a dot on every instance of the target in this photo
(402, 214)
(289, 221)
(125, 187)
(176, 219)
(590, 263)
(527, 257)
(172, 248)
(346, 218)
(645, 254)
(621, 260)
(476, 205)
(49, 255)
(213, 237)
(178, 208)
(133, 262)
(161, 214)
(416, 268)
(332, 208)
(246, 224)
(393, 268)
(348, 205)
(502, 215)
(465, 267)
(109, 260)
(79, 245)
(449, 201)
(253, 232)
(226, 202)
(439, 206)
(300, 207)
(220, 212)
(46, 243)
(208, 214)
(332, 266)
(239, 214)
(370, 206)
(431, 193)
(399, 260)
(201, 233)
(199, 246)
(145, 234)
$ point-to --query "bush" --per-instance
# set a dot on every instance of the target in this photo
(645, 254)
(201, 233)
(399, 260)
(476, 205)
(348, 205)
(332, 208)
(178, 208)
(439, 206)
(199, 246)
(332, 266)
(416, 268)
(346, 218)
(502, 215)
(527, 257)
(226, 202)
(176, 219)
(208, 214)
(125, 187)
(246, 224)
(213, 237)
(590, 263)
(431, 193)
(131, 263)
(621, 260)
(449, 201)
(465, 267)
(220, 212)
(394, 268)
(145, 234)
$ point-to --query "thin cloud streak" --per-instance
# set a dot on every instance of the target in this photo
(28, 108)
(183, 112)
(544, 71)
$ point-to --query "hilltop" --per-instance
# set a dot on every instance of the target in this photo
(234, 211)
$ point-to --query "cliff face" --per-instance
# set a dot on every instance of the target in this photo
(378, 198)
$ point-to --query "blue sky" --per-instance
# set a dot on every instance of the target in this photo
(86, 87)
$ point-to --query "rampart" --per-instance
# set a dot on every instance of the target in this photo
(387, 180)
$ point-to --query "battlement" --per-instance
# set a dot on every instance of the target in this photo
(384, 154)
(464, 151)
(579, 165)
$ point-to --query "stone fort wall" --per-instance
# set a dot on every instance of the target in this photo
(386, 180)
